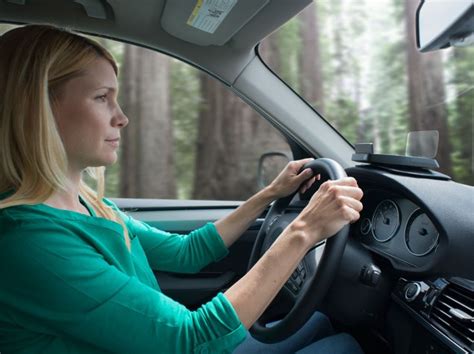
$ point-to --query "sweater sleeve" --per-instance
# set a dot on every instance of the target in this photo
(174, 252)
(58, 281)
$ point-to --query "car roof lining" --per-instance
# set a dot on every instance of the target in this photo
(225, 61)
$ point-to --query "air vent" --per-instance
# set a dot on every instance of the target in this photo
(453, 312)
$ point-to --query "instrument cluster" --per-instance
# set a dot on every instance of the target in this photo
(395, 226)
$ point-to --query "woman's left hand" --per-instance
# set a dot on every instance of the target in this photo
(290, 179)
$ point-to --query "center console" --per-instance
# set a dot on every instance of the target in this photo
(444, 310)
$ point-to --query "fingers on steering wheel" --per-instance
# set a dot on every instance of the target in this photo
(351, 202)
(348, 191)
(308, 183)
(306, 173)
(303, 162)
(350, 214)
(346, 181)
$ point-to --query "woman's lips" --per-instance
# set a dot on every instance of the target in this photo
(113, 142)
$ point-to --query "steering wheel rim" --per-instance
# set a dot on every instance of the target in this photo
(318, 283)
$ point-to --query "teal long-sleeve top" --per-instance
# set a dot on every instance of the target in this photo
(68, 284)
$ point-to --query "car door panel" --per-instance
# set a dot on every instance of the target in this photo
(182, 217)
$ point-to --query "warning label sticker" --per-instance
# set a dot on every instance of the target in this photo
(207, 15)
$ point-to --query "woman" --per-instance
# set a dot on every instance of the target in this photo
(77, 272)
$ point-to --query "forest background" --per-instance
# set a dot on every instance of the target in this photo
(354, 61)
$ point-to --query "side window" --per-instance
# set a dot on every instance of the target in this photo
(189, 136)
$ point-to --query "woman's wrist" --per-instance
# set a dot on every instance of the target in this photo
(310, 234)
(298, 230)
(269, 194)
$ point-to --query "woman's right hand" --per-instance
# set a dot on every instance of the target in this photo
(335, 204)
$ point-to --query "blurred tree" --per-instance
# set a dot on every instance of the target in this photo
(231, 137)
(310, 65)
(462, 113)
(147, 163)
(218, 141)
(185, 101)
(283, 51)
(386, 119)
(426, 89)
(342, 78)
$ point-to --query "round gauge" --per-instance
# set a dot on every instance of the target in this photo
(386, 220)
(421, 236)
(365, 226)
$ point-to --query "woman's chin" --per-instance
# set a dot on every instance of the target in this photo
(110, 161)
(105, 161)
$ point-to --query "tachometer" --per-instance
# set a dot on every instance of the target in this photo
(386, 220)
(421, 235)
(365, 226)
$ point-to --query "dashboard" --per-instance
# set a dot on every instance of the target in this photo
(408, 264)
(419, 232)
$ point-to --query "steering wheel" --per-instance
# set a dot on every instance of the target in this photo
(309, 283)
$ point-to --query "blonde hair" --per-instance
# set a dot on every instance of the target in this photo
(35, 62)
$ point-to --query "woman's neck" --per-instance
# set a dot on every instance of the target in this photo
(68, 199)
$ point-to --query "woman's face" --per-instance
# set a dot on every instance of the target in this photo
(89, 118)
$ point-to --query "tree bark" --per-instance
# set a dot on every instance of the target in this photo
(147, 164)
(231, 138)
(463, 125)
(310, 75)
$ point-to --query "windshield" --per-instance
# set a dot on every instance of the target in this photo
(356, 63)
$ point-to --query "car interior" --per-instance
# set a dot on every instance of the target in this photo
(400, 279)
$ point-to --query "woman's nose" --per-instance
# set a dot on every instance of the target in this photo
(121, 120)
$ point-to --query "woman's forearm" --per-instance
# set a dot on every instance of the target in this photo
(251, 295)
(288, 181)
(232, 226)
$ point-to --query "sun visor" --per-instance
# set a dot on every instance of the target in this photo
(208, 22)
(53, 10)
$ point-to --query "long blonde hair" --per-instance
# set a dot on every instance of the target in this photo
(35, 62)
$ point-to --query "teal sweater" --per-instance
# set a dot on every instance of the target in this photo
(68, 284)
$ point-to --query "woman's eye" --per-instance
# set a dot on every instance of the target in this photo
(101, 98)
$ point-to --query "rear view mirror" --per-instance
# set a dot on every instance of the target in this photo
(444, 23)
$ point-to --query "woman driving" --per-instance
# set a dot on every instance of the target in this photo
(76, 272)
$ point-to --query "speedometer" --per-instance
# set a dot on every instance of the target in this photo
(421, 236)
(386, 220)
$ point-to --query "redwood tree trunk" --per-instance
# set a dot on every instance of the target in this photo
(311, 80)
(231, 138)
(147, 166)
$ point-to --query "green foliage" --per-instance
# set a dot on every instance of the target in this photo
(289, 43)
(185, 101)
(347, 112)
(388, 97)
(112, 180)
(461, 112)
